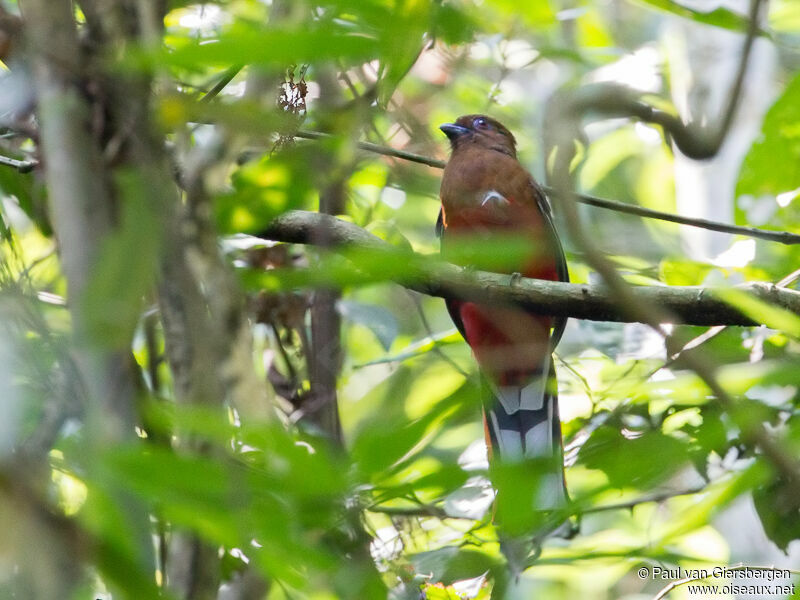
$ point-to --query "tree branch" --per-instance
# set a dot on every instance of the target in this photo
(655, 497)
(23, 166)
(612, 100)
(690, 305)
(565, 123)
(783, 237)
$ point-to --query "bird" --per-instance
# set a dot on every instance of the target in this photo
(487, 194)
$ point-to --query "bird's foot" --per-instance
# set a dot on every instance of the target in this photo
(514, 280)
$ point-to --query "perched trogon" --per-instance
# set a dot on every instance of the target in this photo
(487, 194)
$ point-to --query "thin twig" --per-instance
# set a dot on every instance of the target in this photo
(783, 237)
(423, 510)
(431, 510)
(23, 166)
(223, 81)
(378, 149)
(656, 497)
(414, 350)
(427, 327)
(736, 88)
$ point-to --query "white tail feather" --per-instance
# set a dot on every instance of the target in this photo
(523, 423)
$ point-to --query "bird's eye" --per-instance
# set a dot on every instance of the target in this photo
(480, 123)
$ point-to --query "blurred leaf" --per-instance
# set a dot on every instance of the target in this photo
(263, 190)
(536, 13)
(126, 268)
(16, 184)
(423, 346)
(522, 489)
(778, 507)
(593, 31)
(247, 43)
(451, 24)
(389, 232)
(698, 512)
(682, 271)
(390, 436)
(719, 17)
(772, 166)
(762, 312)
(4, 230)
(118, 558)
(630, 462)
(22, 186)
(784, 15)
(402, 42)
(437, 591)
(500, 252)
(607, 153)
(448, 565)
(377, 319)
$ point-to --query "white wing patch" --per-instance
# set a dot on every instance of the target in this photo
(494, 198)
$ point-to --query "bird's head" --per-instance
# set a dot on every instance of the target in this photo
(481, 130)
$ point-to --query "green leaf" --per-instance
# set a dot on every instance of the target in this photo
(784, 15)
(448, 565)
(682, 271)
(779, 510)
(401, 42)
(629, 462)
(535, 13)
(772, 166)
(719, 17)
(713, 499)
(606, 153)
(262, 190)
(22, 186)
(246, 43)
(379, 320)
(762, 312)
(390, 436)
(126, 268)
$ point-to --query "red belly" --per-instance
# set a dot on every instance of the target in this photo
(509, 343)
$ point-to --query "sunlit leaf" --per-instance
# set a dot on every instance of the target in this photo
(247, 44)
(377, 319)
(762, 312)
(784, 15)
(628, 462)
(772, 165)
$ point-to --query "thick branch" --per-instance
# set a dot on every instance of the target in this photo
(690, 305)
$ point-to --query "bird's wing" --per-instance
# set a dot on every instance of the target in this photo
(453, 306)
(559, 323)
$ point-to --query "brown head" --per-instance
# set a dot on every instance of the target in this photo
(482, 131)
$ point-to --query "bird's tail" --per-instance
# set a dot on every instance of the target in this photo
(522, 424)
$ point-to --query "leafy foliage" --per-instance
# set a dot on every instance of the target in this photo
(401, 505)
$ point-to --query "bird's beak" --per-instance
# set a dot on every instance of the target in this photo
(453, 131)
